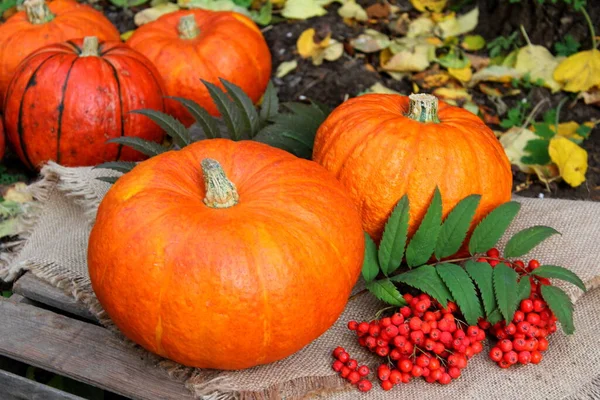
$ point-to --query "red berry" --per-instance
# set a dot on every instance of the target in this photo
(391, 330)
(446, 338)
(459, 335)
(352, 364)
(445, 379)
(504, 364)
(524, 357)
(527, 306)
(538, 305)
(532, 345)
(397, 319)
(353, 377)
(429, 316)
(494, 253)
(403, 329)
(405, 311)
(473, 331)
(371, 342)
(542, 344)
(374, 330)
(477, 347)
(434, 364)
(482, 259)
(408, 348)
(453, 360)
(518, 317)
(383, 372)
(496, 354)
(343, 357)
(533, 264)
(382, 351)
(519, 344)
(511, 357)
(416, 371)
(483, 324)
(524, 327)
(462, 362)
(352, 325)
(395, 354)
(387, 385)
(399, 341)
(435, 334)
(362, 341)
(387, 321)
(405, 377)
(337, 365)
(408, 297)
(454, 372)
(510, 329)
(417, 337)
(362, 328)
(415, 323)
(425, 327)
(345, 371)
(421, 306)
(395, 377)
(337, 351)
(439, 348)
(481, 336)
(380, 342)
(423, 361)
(536, 357)
(544, 281)
(533, 318)
(405, 365)
(493, 263)
(363, 370)
(519, 266)
(435, 375)
(505, 345)
(364, 385)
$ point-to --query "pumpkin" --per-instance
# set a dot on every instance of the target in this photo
(382, 147)
(225, 254)
(41, 24)
(190, 46)
(2, 140)
(66, 100)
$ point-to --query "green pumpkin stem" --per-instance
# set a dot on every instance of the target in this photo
(37, 12)
(423, 108)
(188, 27)
(90, 47)
(220, 191)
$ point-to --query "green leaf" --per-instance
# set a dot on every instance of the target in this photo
(556, 272)
(7, 4)
(463, 291)
(264, 15)
(145, 147)
(482, 274)
(370, 268)
(583, 131)
(494, 317)
(538, 152)
(492, 227)
(505, 287)
(455, 227)
(560, 304)
(173, 128)
(524, 241)
(119, 166)
(426, 279)
(523, 289)
(230, 113)
(543, 130)
(421, 246)
(245, 105)
(108, 179)
(270, 104)
(128, 3)
(385, 291)
(206, 121)
(393, 241)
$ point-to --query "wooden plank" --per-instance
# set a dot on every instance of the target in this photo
(15, 387)
(82, 351)
(36, 289)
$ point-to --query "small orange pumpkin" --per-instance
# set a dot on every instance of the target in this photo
(382, 147)
(41, 24)
(188, 252)
(190, 46)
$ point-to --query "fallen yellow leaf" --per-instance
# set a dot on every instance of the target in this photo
(422, 26)
(303, 9)
(152, 13)
(285, 68)
(409, 61)
(127, 35)
(353, 11)
(452, 94)
(429, 5)
(18, 193)
(462, 74)
(495, 73)
(459, 25)
(539, 63)
(579, 72)
(570, 159)
(307, 47)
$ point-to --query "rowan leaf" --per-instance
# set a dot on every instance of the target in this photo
(245, 105)
(370, 268)
(393, 241)
(494, 317)
(556, 272)
(230, 113)
(145, 147)
(421, 246)
(463, 291)
(206, 121)
(455, 227)
(523, 289)
(270, 104)
(492, 227)
(108, 179)
(426, 279)
(560, 304)
(173, 128)
(482, 275)
(505, 287)
(385, 291)
(119, 166)
(524, 241)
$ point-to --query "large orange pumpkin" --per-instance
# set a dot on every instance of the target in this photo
(384, 146)
(67, 99)
(187, 46)
(244, 273)
(41, 24)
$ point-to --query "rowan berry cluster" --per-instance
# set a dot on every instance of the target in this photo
(349, 369)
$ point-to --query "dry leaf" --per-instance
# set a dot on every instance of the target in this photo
(303, 9)
(400, 25)
(415, 60)
(380, 88)
(478, 62)
(378, 10)
(422, 26)
(370, 41)
(473, 42)
(495, 73)
(456, 94)
(579, 72)
(152, 13)
(333, 51)
(18, 193)
(431, 78)
(591, 97)
(459, 25)
(462, 74)
(514, 141)
(351, 10)
(570, 159)
(546, 173)
(539, 63)
(307, 47)
(126, 35)
(429, 5)
(285, 68)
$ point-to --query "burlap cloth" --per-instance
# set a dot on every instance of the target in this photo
(54, 248)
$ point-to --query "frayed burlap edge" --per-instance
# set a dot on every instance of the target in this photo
(201, 383)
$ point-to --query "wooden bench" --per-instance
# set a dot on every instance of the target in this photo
(43, 327)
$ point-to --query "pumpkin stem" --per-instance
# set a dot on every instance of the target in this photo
(188, 27)
(38, 12)
(423, 108)
(90, 47)
(220, 191)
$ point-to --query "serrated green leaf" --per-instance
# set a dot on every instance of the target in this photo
(370, 268)
(455, 227)
(556, 272)
(494, 317)
(119, 166)
(245, 105)
(543, 130)
(270, 103)
(426, 279)
(145, 147)
(421, 246)
(173, 128)
(108, 179)
(505, 287)
(393, 241)
(524, 241)
(482, 275)
(277, 136)
(463, 291)
(492, 227)
(538, 152)
(560, 304)
(385, 291)
(230, 113)
(523, 289)
(206, 121)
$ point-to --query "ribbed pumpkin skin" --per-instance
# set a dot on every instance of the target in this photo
(64, 107)
(229, 46)
(225, 288)
(19, 37)
(379, 155)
